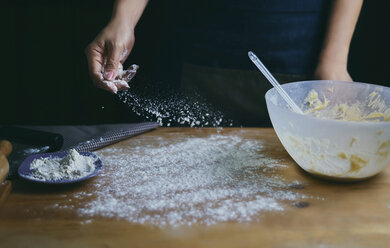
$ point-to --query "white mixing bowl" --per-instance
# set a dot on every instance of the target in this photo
(335, 149)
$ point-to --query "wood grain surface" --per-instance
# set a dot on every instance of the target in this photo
(5, 190)
(333, 214)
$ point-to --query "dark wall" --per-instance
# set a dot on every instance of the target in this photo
(44, 72)
(370, 48)
(45, 77)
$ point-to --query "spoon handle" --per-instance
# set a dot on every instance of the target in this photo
(274, 82)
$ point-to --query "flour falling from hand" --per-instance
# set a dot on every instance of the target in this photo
(171, 108)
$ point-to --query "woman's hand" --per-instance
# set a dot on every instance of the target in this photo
(108, 52)
(112, 46)
(332, 71)
(333, 58)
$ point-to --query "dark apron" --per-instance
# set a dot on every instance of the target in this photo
(205, 46)
(238, 93)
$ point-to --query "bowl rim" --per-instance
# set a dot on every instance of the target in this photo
(285, 110)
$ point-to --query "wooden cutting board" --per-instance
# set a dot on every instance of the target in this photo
(5, 186)
(331, 215)
(5, 190)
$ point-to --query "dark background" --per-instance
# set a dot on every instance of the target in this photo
(44, 71)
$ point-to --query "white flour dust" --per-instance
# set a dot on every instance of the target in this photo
(193, 180)
(163, 104)
(174, 109)
(72, 166)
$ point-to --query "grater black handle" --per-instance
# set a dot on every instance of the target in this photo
(33, 137)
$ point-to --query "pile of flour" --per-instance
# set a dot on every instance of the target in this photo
(72, 166)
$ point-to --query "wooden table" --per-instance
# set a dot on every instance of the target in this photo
(341, 215)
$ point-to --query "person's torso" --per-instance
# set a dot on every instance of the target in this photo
(286, 34)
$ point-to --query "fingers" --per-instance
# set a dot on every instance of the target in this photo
(109, 86)
(104, 63)
(94, 53)
(130, 73)
(113, 60)
(124, 77)
(121, 85)
(125, 53)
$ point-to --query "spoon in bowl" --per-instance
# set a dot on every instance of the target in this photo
(274, 82)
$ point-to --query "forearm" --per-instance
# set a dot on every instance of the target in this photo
(128, 12)
(341, 25)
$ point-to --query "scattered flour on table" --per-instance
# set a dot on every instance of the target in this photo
(72, 166)
(30, 151)
(194, 180)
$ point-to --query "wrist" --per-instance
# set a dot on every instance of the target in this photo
(333, 59)
(128, 12)
(334, 53)
(123, 21)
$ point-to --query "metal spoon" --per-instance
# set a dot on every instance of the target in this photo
(274, 82)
